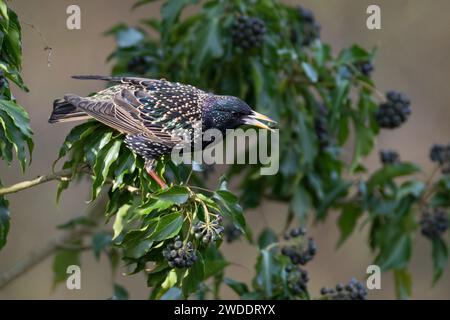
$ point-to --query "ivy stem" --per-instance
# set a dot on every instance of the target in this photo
(205, 208)
(272, 245)
(202, 189)
(189, 177)
(372, 88)
(428, 189)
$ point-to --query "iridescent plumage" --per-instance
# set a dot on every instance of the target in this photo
(155, 115)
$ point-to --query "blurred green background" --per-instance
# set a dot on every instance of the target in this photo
(413, 58)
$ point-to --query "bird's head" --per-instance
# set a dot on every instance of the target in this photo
(228, 112)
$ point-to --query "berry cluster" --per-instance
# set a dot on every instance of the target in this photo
(3, 80)
(441, 154)
(232, 233)
(320, 126)
(297, 278)
(209, 231)
(433, 224)
(139, 65)
(310, 29)
(248, 32)
(389, 157)
(180, 255)
(354, 290)
(366, 67)
(394, 112)
(299, 250)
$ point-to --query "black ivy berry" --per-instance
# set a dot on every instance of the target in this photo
(309, 30)
(366, 68)
(320, 126)
(300, 250)
(232, 233)
(248, 32)
(209, 231)
(394, 112)
(434, 223)
(3, 80)
(354, 290)
(441, 154)
(389, 157)
(297, 279)
(180, 255)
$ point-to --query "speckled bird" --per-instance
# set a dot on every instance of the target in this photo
(154, 114)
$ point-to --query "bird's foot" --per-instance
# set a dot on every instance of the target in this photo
(155, 177)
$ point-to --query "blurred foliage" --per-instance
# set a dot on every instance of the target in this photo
(15, 132)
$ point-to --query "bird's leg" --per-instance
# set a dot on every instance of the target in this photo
(154, 175)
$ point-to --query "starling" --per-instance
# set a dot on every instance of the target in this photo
(154, 114)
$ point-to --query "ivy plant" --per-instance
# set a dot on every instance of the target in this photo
(15, 132)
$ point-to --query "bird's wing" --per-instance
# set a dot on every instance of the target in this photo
(160, 110)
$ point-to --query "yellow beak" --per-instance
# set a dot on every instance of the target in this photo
(253, 118)
(260, 116)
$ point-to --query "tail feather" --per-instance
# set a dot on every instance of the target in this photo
(63, 111)
(96, 77)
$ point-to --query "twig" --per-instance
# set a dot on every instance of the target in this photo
(63, 175)
(44, 40)
(428, 189)
(372, 88)
(39, 255)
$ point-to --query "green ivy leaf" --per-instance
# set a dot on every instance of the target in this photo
(387, 173)
(209, 42)
(118, 222)
(129, 37)
(396, 255)
(4, 221)
(168, 226)
(106, 157)
(62, 260)
(176, 194)
(78, 221)
(119, 293)
(267, 237)
(310, 72)
(195, 276)
(239, 288)
(410, 188)
(100, 241)
(339, 189)
(266, 269)
(403, 283)
(440, 258)
(16, 137)
(229, 203)
(18, 115)
(347, 221)
(301, 203)
(77, 134)
(307, 141)
(354, 54)
(171, 10)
